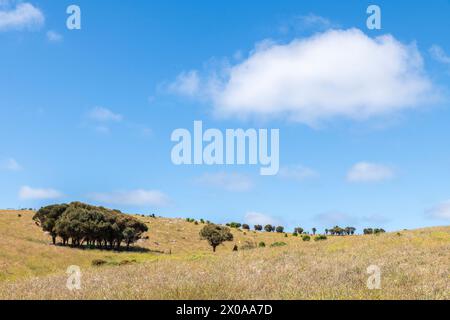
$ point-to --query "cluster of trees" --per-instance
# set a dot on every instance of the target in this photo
(338, 231)
(235, 225)
(80, 224)
(258, 227)
(373, 231)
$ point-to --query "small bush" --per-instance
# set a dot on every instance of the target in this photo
(262, 244)
(285, 235)
(278, 244)
(295, 234)
(320, 238)
(98, 262)
(306, 238)
(248, 245)
(19, 215)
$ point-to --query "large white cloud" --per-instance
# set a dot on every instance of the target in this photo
(19, 17)
(338, 73)
(29, 193)
(138, 198)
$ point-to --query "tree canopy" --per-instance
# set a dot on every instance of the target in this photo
(81, 224)
(216, 235)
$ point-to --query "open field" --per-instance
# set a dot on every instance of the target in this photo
(414, 264)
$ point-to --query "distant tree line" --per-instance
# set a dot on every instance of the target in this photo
(373, 231)
(298, 231)
(78, 224)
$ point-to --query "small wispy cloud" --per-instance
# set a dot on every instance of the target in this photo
(376, 219)
(20, 16)
(102, 114)
(136, 198)
(298, 173)
(101, 119)
(307, 22)
(234, 182)
(12, 165)
(439, 54)
(369, 172)
(254, 218)
(186, 84)
(29, 193)
(334, 218)
(53, 36)
(440, 211)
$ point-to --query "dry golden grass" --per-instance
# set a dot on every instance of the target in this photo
(414, 265)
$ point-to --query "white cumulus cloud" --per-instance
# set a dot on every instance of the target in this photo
(228, 181)
(28, 193)
(337, 73)
(440, 211)
(138, 198)
(19, 17)
(369, 172)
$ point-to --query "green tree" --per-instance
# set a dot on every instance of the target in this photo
(47, 217)
(258, 227)
(215, 235)
(280, 229)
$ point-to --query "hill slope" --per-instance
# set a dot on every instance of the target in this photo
(414, 265)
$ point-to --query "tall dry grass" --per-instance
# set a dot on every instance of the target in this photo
(414, 265)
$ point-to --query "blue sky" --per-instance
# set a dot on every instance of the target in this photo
(88, 114)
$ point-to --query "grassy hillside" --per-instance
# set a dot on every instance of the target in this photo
(414, 264)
